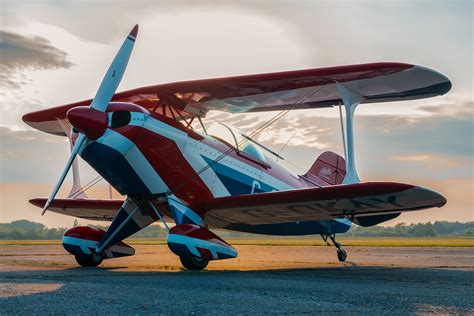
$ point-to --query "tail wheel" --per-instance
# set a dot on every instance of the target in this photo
(341, 255)
(193, 262)
(88, 260)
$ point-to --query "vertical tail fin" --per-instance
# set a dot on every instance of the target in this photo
(328, 169)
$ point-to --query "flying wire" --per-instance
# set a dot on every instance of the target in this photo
(86, 187)
(287, 142)
(252, 134)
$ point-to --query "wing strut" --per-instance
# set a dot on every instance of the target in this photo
(76, 181)
(351, 100)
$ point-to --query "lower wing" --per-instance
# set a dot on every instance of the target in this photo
(315, 204)
(92, 209)
(361, 199)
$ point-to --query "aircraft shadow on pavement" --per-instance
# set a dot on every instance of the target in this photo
(323, 289)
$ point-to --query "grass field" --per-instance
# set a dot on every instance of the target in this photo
(292, 241)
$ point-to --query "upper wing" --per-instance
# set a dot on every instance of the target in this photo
(309, 88)
(362, 199)
(91, 209)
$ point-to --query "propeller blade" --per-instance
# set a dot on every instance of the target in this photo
(104, 94)
(79, 141)
(115, 73)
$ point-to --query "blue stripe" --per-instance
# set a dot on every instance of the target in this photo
(130, 228)
(236, 182)
(73, 249)
(179, 249)
(114, 168)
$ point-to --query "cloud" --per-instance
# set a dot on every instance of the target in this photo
(412, 157)
(18, 53)
(30, 155)
(434, 146)
(430, 161)
(34, 156)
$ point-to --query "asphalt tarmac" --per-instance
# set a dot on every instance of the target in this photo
(263, 280)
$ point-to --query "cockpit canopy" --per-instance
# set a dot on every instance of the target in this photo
(232, 137)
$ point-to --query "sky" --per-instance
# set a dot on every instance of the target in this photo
(56, 52)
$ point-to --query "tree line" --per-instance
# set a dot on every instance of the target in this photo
(440, 228)
(27, 230)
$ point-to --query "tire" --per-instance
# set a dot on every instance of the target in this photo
(193, 263)
(341, 255)
(88, 261)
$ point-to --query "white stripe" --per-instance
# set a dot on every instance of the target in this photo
(176, 203)
(84, 244)
(192, 151)
(192, 243)
(135, 158)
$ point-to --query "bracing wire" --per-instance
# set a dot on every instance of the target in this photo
(287, 142)
(252, 134)
(86, 187)
(258, 130)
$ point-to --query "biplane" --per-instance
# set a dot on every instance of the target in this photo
(152, 146)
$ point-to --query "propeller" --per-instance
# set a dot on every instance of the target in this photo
(104, 95)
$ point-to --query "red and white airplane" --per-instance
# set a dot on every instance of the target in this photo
(143, 143)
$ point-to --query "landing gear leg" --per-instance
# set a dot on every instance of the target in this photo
(341, 253)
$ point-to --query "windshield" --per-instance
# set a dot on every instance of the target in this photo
(222, 133)
(253, 150)
(232, 136)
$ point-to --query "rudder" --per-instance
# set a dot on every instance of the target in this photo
(328, 169)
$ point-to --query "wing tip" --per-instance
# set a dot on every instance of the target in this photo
(39, 202)
(436, 198)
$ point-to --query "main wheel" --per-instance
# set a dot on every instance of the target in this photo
(88, 260)
(193, 262)
(341, 255)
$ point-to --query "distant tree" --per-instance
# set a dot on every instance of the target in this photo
(24, 224)
(24, 229)
(427, 230)
(469, 231)
(16, 234)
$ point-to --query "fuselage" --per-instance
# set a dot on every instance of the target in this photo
(143, 153)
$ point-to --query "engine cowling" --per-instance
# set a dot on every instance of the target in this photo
(83, 240)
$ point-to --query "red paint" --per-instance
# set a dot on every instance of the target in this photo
(89, 121)
(348, 191)
(126, 106)
(90, 233)
(328, 169)
(134, 31)
(166, 158)
(79, 203)
(205, 253)
(220, 88)
(85, 232)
